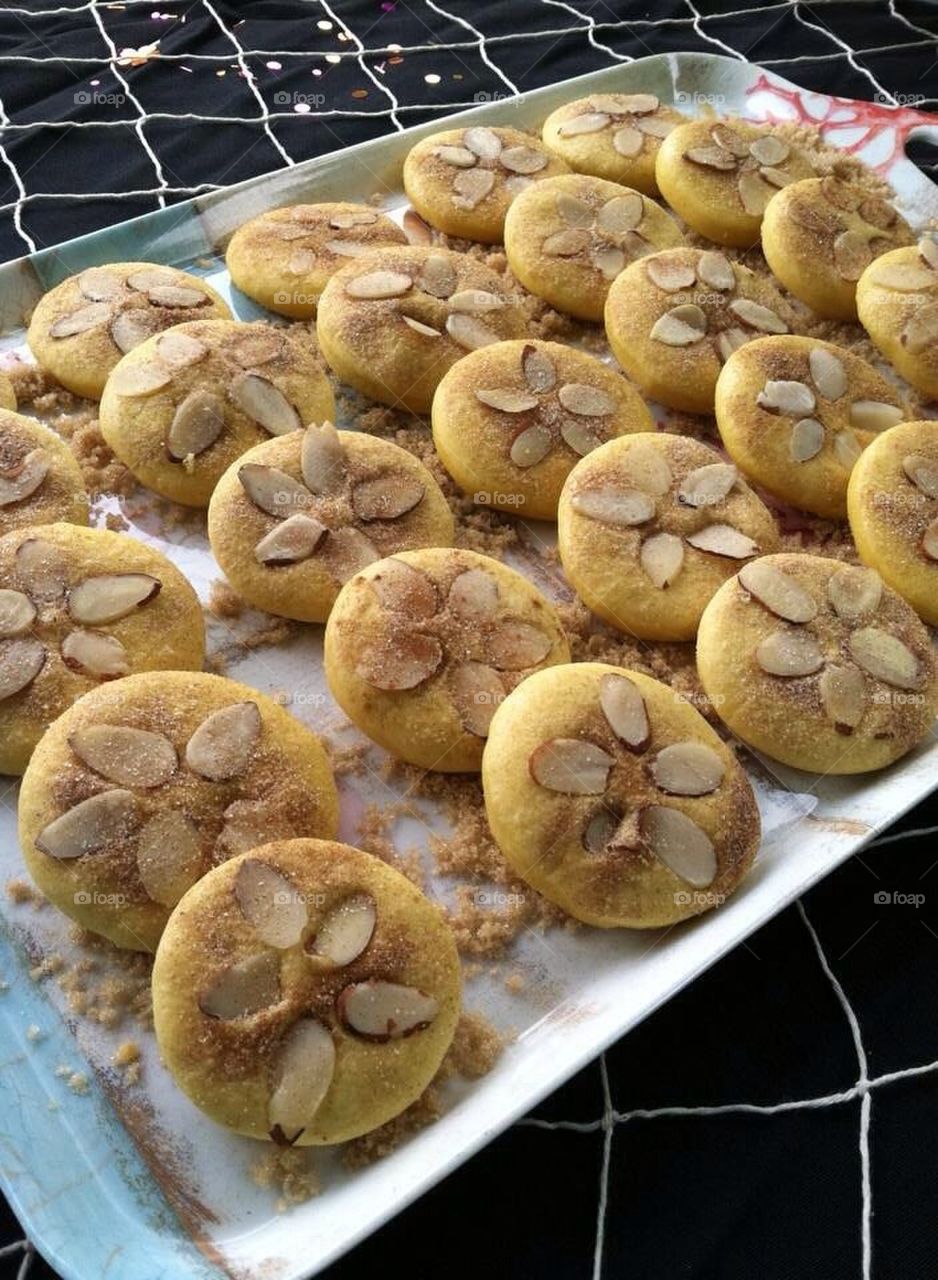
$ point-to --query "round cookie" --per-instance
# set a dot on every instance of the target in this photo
(421, 648)
(305, 992)
(181, 407)
(615, 136)
(795, 413)
(567, 238)
(7, 394)
(391, 323)
(462, 181)
(511, 420)
(897, 301)
(817, 664)
(892, 503)
(40, 479)
(675, 317)
(651, 525)
(611, 795)
(296, 517)
(77, 607)
(81, 328)
(820, 234)
(283, 258)
(142, 786)
(720, 176)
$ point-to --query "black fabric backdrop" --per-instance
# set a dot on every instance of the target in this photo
(721, 1140)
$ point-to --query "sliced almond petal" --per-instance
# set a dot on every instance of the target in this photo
(586, 122)
(249, 824)
(874, 415)
(878, 213)
(303, 1076)
(109, 596)
(346, 931)
(680, 326)
(516, 646)
(538, 369)
(789, 653)
(94, 653)
(648, 470)
(322, 459)
(482, 142)
(574, 211)
(662, 558)
(852, 254)
(130, 757)
(844, 696)
(100, 285)
(923, 472)
(131, 327)
(624, 708)
(754, 192)
(757, 316)
(621, 214)
(580, 436)
(516, 183)
(628, 141)
(920, 332)
(21, 482)
(346, 552)
(786, 396)
(572, 766)
(731, 340)
(270, 902)
(458, 157)
(42, 570)
(670, 275)
(101, 820)
(769, 149)
(847, 448)
(716, 270)
(386, 497)
(723, 540)
(176, 296)
(777, 591)
(404, 589)
(438, 276)
(142, 378)
(469, 332)
(634, 104)
(777, 178)
(291, 541)
(477, 691)
(687, 769)
(379, 284)
(855, 593)
(17, 613)
(613, 505)
(904, 277)
(708, 485)
(302, 262)
(244, 988)
(711, 157)
(475, 301)
(828, 372)
(608, 259)
(152, 278)
(222, 746)
(471, 186)
(506, 400)
(21, 660)
(806, 440)
(358, 218)
(600, 829)
(80, 321)
(256, 345)
(727, 138)
(384, 1011)
(523, 159)
(348, 248)
(197, 423)
(586, 400)
(928, 250)
(425, 330)
(930, 540)
(473, 596)
(169, 856)
(683, 846)
(566, 243)
(265, 404)
(402, 661)
(841, 194)
(273, 490)
(885, 657)
(179, 350)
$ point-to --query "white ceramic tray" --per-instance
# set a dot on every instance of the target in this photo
(135, 1182)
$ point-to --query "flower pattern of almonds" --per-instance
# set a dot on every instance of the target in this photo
(630, 116)
(20, 476)
(854, 225)
(131, 310)
(610, 237)
(481, 159)
(920, 331)
(312, 235)
(758, 165)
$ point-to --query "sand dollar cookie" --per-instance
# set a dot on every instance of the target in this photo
(892, 502)
(391, 324)
(144, 785)
(795, 414)
(511, 420)
(650, 525)
(421, 648)
(82, 327)
(720, 176)
(821, 234)
(615, 136)
(674, 318)
(568, 238)
(181, 407)
(295, 517)
(462, 181)
(817, 664)
(612, 796)
(77, 607)
(283, 258)
(7, 394)
(40, 480)
(897, 301)
(305, 992)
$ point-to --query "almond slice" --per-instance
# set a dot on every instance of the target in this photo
(244, 988)
(716, 270)
(386, 497)
(458, 157)
(670, 275)
(855, 593)
(438, 276)
(291, 541)
(404, 589)
(885, 657)
(678, 842)
(322, 459)
(789, 653)
(265, 404)
(928, 249)
(425, 330)
(777, 591)
(621, 214)
(383, 1011)
(21, 660)
(585, 122)
(708, 485)
(600, 829)
(904, 277)
(197, 423)
(847, 449)
(930, 540)
(647, 469)
(401, 661)
(786, 396)
(662, 558)
(729, 140)
(17, 613)
(471, 186)
(523, 159)
(687, 769)
(346, 931)
(769, 149)
(609, 259)
(611, 505)
(270, 902)
(731, 340)
(348, 248)
(22, 481)
(101, 820)
(874, 415)
(878, 213)
(42, 570)
(828, 372)
(635, 104)
(469, 332)
(475, 301)
(379, 284)
(153, 278)
(249, 824)
(476, 691)
(680, 326)
(628, 142)
(473, 597)
(764, 319)
(581, 437)
(516, 183)
(169, 856)
(257, 347)
(141, 378)
(723, 540)
(517, 646)
(482, 142)
(506, 400)
(99, 285)
(273, 490)
(754, 192)
(358, 218)
(574, 211)
(566, 243)
(222, 746)
(303, 1076)
(131, 327)
(173, 296)
(538, 369)
(921, 329)
(711, 157)
(585, 400)
(346, 552)
(110, 596)
(179, 350)
(923, 472)
(130, 757)
(777, 178)
(533, 444)
(843, 696)
(302, 262)
(806, 440)
(80, 321)
(624, 708)
(852, 254)
(96, 654)
(572, 766)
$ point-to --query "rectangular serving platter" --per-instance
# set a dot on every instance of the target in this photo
(132, 1182)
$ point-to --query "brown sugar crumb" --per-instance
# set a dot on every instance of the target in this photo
(373, 1146)
(108, 986)
(127, 1052)
(476, 1047)
(20, 892)
(290, 1172)
(224, 601)
(79, 1083)
(116, 522)
(348, 761)
(515, 983)
(48, 967)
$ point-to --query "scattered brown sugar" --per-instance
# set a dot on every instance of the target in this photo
(78, 1082)
(373, 1146)
(476, 1048)
(21, 892)
(106, 985)
(289, 1171)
